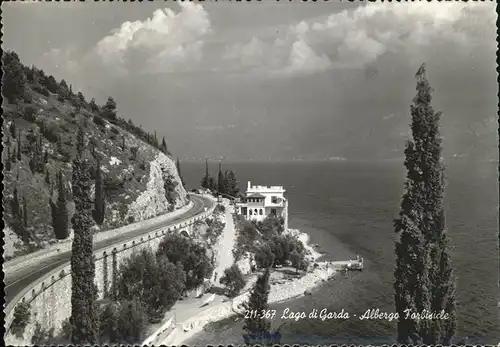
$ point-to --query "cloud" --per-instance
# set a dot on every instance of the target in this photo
(356, 38)
(165, 42)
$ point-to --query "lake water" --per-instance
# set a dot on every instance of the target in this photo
(348, 207)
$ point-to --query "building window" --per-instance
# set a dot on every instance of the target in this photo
(274, 199)
(244, 211)
(261, 212)
(256, 212)
(273, 212)
(250, 212)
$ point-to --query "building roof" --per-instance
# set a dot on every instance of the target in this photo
(256, 195)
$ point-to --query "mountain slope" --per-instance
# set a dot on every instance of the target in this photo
(41, 118)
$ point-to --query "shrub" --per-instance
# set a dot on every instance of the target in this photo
(99, 121)
(131, 219)
(29, 114)
(115, 130)
(132, 321)
(41, 336)
(40, 89)
(233, 280)
(220, 208)
(22, 315)
(50, 133)
(264, 257)
(155, 280)
(113, 186)
(192, 255)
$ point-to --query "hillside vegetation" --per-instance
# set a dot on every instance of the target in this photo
(43, 123)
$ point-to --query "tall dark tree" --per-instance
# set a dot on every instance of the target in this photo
(258, 326)
(25, 212)
(232, 183)
(80, 142)
(8, 163)
(17, 217)
(163, 146)
(212, 185)
(99, 201)
(12, 128)
(19, 145)
(109, 109)
(59, 210)
(84, 316)
(14, 78)
(204, 181)
(178, 165)
(93, 105)
(424, 276)
(220, 180)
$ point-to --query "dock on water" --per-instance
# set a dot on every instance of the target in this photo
(349, 265)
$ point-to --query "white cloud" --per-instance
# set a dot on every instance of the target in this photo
(355, 38)
(165, 42)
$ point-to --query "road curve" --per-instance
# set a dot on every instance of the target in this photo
(24, 277)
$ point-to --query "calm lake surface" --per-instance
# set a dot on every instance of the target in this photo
(348, 207)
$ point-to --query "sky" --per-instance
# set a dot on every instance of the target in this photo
(274, 80)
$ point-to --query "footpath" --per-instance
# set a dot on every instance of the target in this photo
(191, 314)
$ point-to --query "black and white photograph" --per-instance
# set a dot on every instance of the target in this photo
(250, 173)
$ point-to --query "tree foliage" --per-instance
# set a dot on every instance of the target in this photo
(84, 316)
(59, 210)
(423, 276)
(154, 279)
(99, 200)
(192, 255)
(256, 326)
(233, 280)
(14, 78)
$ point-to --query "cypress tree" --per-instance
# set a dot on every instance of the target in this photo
(220, 180)
(123, 142)
(178, 165)
(12, 128)
(59, 210)
(80, 142)
(25, 212)
(424, 276)
(19, 145)
(47, 177)
(164, 146)
(258, 326)
(204, 180)
(83, 308)
(8, 163)
(99, 203)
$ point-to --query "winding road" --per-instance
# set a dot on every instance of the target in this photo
(15, 282)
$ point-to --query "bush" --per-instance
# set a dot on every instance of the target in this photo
(42, 337)
(154, 279)
(264, 257)
(40, 89)
(233, 280)
(22, 315)
(220, 208)
(192, 255)
(115, 130)
(131, 219)
(132, 321)
(99, 121)
(50, 133)
(29, 114)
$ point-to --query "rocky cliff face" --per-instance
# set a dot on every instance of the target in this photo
(154, 200)
(40, 127)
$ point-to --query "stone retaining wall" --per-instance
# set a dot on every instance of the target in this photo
(50, 296)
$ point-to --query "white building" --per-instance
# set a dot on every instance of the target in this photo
(263, 201)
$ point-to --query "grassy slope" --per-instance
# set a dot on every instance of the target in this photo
(64, 119)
